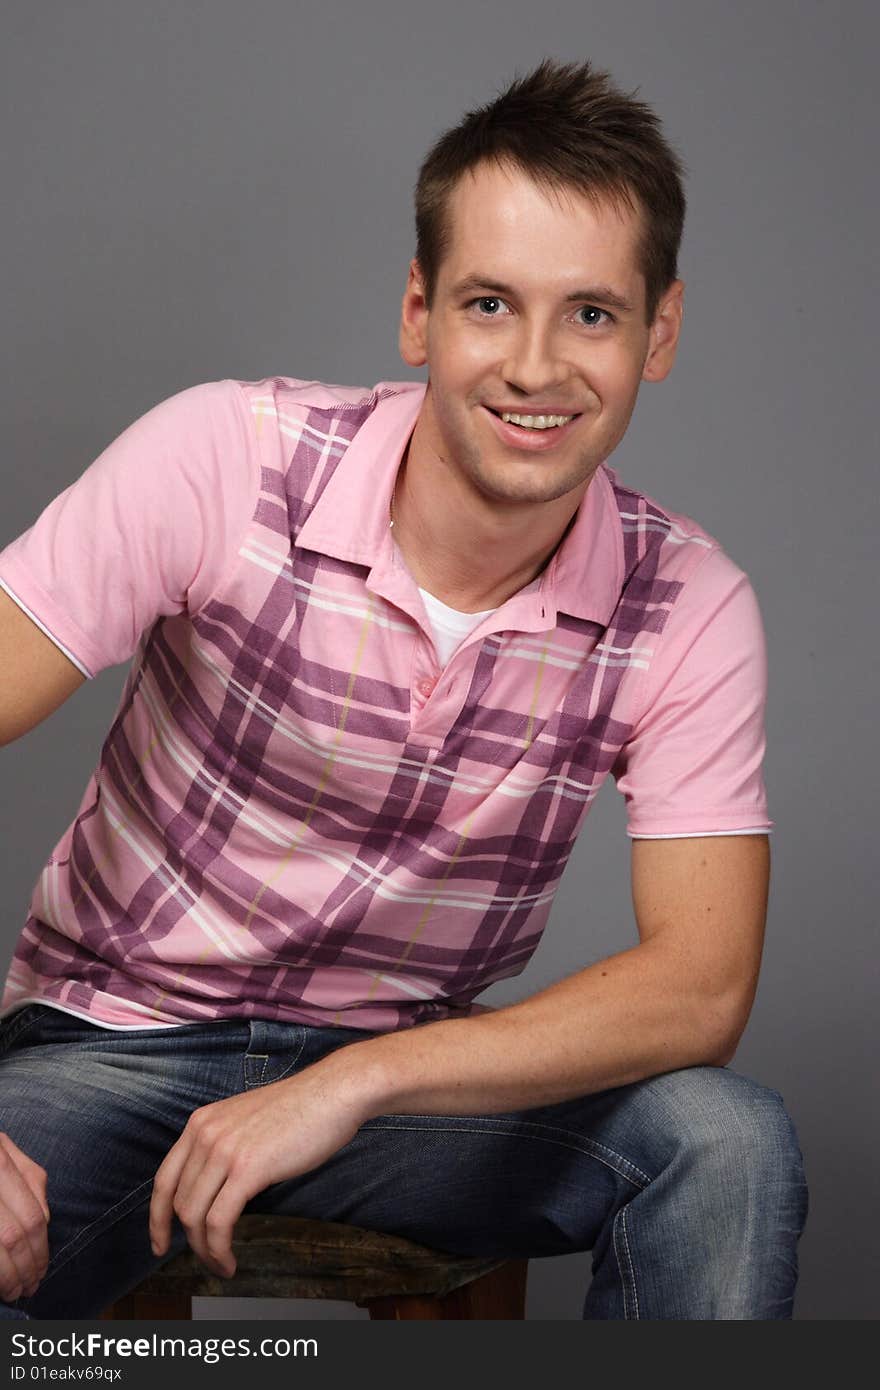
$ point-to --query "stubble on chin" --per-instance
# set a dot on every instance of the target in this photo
(535, 478)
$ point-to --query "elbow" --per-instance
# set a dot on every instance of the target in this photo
(723, 1058)
(720, 1044)
(730, 1012)
(722, 1051)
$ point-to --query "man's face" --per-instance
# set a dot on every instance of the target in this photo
(539, 309)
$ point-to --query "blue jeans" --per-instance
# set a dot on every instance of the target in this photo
(688, 1187)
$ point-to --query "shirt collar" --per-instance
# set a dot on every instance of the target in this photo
(350, 521)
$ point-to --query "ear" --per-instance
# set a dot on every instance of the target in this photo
(413, 339)
(664, 334)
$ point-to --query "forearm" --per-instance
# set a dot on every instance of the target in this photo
(627, 1017)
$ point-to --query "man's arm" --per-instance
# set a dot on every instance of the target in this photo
(680, 998)
(35, 675)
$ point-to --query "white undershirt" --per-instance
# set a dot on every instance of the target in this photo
(450, 627)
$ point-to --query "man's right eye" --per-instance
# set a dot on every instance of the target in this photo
(483, 300)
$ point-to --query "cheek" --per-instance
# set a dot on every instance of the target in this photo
(460, 383)
(615, 382)
(459, 355)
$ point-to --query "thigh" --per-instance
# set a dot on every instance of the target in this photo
(99, 1109)
(542, 1181)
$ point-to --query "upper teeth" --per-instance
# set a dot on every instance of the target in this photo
(537, 422)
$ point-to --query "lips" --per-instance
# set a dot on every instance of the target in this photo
(527, 440)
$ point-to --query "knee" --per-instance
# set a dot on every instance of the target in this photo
(738, 1130)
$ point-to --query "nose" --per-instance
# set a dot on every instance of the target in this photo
(533, 364)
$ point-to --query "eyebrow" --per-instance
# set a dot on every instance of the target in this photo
(595, 294)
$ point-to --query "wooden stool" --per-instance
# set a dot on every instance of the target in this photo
(291, 1257)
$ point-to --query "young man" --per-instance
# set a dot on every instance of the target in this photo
(387, 646)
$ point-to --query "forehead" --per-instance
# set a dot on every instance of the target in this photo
(502, 221)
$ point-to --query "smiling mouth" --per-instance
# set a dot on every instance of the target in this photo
(542, 421)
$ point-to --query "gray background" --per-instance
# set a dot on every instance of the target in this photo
(202, 190)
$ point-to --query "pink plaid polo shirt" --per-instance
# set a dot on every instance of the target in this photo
(297, 813)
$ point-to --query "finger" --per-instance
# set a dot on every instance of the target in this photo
(220, 1226)
(18, 1264)
(34, 1175)
(195, 1197)
(23, 1232)
(11, 1282)
(164, 1188)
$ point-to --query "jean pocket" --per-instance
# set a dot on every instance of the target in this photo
(16, 1024)
(41, 1023)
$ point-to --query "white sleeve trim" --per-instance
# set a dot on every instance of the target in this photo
(698, 834)
(42, 626)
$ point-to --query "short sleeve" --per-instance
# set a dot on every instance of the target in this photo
(147, 530)
(693, 764)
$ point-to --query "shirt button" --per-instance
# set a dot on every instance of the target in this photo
(425, 687)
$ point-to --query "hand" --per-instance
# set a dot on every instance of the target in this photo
(24, 1220)
(235, 1148)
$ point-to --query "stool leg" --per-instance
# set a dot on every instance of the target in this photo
(499, 1294)
(145, 1306)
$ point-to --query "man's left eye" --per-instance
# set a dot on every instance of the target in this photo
(598, 314)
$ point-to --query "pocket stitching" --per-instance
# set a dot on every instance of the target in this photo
(19, 1024)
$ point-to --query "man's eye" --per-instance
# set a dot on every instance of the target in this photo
(598, 316)
(492, 301)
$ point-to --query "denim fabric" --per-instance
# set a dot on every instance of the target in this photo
(688, 1187)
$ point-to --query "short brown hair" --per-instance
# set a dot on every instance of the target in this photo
(568, 127)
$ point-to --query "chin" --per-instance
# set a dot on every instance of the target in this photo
(541, 475)
(534, 490)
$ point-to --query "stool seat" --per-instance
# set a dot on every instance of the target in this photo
(293, 1257)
